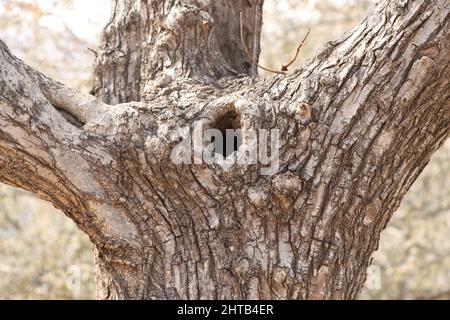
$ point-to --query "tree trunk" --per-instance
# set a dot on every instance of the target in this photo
(356, 127)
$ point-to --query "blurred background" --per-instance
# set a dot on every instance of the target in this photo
(44, 256)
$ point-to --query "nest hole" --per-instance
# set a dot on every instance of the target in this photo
(229, 124)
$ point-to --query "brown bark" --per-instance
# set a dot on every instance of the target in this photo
(147, 45)
(357, 125)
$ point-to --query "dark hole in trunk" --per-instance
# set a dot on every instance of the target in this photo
(229, 125)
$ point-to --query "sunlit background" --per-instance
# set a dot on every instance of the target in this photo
(44, 256)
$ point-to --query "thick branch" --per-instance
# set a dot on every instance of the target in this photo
(50, 145)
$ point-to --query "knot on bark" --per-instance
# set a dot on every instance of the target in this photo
(328, 80)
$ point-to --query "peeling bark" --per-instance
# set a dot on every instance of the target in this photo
(357, 125)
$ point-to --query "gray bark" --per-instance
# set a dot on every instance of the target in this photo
(357, 125)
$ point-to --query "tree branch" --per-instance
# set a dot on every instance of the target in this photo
(54, 142)
(83, 107)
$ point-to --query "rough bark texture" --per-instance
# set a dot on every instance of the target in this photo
(147, 45)
(357, 125)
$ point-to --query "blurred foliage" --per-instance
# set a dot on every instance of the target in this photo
(44, 256)
(42, 253)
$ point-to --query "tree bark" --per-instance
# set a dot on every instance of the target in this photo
(356, 127)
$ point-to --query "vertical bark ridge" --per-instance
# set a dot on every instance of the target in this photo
(148, 45)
